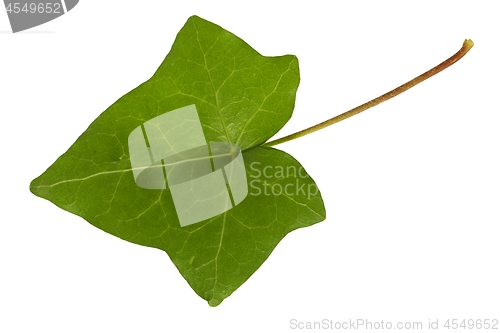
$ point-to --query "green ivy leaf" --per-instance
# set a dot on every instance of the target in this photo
(241, 97)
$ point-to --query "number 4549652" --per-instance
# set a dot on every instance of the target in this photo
(49, 8)
(472, 324)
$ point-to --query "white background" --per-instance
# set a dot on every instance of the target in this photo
(411, 187)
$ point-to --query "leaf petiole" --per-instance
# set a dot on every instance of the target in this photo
(467, 45)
